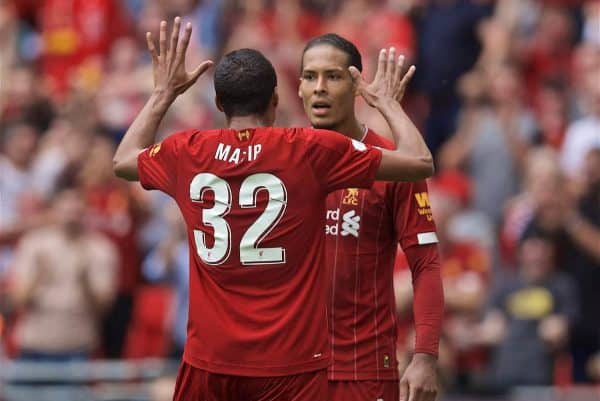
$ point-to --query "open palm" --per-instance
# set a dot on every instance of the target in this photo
(168, 63)
(388, 83)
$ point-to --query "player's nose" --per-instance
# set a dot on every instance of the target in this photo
(321, 85)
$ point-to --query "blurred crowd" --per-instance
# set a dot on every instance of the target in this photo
(507, 94)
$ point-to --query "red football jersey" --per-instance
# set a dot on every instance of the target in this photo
(254, 204)
(362, 232)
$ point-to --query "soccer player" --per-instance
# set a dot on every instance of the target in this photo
(253, 200)
(363, 229)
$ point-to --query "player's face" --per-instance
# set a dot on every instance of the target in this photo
(326, 87)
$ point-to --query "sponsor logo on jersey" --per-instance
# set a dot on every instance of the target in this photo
(350, 224)
(154, 150)
(351, 197)
(424, 209)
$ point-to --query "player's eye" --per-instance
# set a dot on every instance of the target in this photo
(308, 77)
(334, 77)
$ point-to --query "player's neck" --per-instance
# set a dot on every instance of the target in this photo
(241, 122)
(352, 129)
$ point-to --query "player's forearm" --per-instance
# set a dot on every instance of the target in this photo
(407, 137)
(141, 134)
(428, 306)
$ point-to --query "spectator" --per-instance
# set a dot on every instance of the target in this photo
(543, 181)
(448, 47)
(169, 262)
(583, 134)
(113, 209)
(492, 141)
(62, 282)
(529, 318)
(78, 35)
(582, 227)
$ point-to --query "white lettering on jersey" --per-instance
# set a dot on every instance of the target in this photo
(222, 152)
(350, 224)
(238, 155)
(333, 228)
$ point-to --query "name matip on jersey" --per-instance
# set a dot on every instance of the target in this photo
(363, 229)
(254, 205)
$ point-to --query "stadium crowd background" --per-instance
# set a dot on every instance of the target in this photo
(507, 93)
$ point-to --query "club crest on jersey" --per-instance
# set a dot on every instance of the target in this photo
(351, 197)
(424, 209)
(243, 135)
(154, 150)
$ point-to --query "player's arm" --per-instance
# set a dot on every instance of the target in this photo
(412, 159)
(417, 233)
(170, 80)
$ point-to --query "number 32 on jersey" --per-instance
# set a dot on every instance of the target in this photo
(250, 254)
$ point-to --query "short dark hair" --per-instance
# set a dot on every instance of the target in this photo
(335, 40)
(244, 82)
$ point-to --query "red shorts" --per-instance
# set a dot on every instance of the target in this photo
(195, 384)
(366, 390)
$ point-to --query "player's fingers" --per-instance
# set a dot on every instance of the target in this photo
(200, 70)
(162, 39)
(408, 76)
(398, 72)
(183, 45)
(413, 394)
(151, 47)
(390, 69)
(355, 74)
(381, 65)
(174, 39)
(404, 388)
(429, 395)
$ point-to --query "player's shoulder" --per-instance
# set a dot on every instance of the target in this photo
(373, 138)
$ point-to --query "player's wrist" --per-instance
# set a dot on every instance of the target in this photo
(387, 105)
(163, 97)
(423, 357)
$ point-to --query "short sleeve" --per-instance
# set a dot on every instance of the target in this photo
(413, 219)
(157, 165)
(340, 162)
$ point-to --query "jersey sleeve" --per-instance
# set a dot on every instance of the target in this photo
(340, 162)
(416, 232)
(157, 165)
(413, 219)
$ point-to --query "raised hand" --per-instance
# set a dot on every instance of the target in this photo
(168, 63)
(389, 84)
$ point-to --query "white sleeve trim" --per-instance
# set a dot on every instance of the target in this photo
(427, 238)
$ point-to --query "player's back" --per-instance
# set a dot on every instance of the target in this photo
(254, 204)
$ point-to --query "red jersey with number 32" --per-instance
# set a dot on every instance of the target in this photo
(254, 204)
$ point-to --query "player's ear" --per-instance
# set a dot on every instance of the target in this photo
(219, 105)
